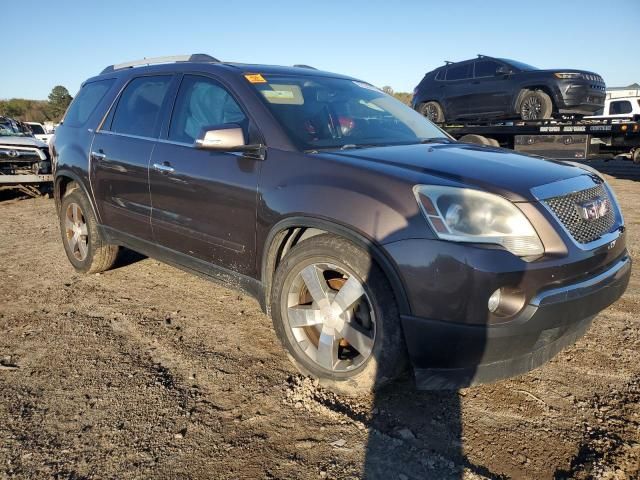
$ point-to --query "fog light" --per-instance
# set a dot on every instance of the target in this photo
(494, 301)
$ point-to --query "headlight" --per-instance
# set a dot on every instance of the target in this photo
(467, 215)
(567, 75)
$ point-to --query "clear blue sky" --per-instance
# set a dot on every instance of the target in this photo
(384, 42)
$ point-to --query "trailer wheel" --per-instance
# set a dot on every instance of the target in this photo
(433, 111)
(477, 140)
(636, 156)
(535, 105)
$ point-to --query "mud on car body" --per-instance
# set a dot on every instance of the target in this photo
(371, 238)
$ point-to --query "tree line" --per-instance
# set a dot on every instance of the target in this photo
(50, 110)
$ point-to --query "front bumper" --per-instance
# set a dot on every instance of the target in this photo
(581, 98)
(453, 342)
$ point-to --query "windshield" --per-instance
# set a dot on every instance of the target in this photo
(327, 113)
(519, 65)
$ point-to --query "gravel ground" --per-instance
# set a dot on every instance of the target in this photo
(148, 372)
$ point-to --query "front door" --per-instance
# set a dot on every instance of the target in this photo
(204, 202)
(491, 93)
(121, 152)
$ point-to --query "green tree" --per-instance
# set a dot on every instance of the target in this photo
(59, 100)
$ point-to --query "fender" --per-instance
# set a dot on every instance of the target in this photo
(377, 253)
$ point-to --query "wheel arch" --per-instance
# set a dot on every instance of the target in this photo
(292, 230)
(535, 86)
(61, 182)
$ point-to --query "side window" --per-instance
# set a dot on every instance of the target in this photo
(486, 68)
(441, 73)
(620, 107)
(202, 102)
(460, 72)
(86, 102)
(138, 109)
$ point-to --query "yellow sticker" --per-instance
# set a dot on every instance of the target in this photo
(255, 78)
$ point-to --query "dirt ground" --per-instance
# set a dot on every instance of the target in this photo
(149, 372)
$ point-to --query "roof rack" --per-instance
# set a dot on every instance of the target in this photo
(301, 65)
(195, 57)
(448, 62)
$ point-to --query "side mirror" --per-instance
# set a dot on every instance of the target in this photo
(224, 138)
(503, 70)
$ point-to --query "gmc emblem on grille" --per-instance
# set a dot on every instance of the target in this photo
(593, 209)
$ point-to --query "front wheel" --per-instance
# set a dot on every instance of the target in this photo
(335, 313)
(535, 105)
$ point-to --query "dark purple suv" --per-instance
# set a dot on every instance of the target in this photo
(368, 234)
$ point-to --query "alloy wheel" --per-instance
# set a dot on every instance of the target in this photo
(331, 318)
(76, 232)
(531, 109)
(431, 112)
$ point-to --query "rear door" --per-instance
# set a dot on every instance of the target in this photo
(491, 93)
(204, 202)
(458, 89)
(121, 152)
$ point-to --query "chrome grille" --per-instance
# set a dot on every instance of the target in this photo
(566, 208)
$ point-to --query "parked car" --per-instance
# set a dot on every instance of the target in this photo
(24, 160)
(367, 234)
(492, 88)
(39, 131)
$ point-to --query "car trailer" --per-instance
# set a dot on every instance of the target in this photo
(564, 138)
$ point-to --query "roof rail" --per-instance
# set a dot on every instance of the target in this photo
(301, 65)
(195, 57)
(448, 62)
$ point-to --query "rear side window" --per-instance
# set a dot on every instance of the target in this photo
(486, 68)
(459, 72)
(440, 75)
(202, 102)
(620, 108)
(138, 110)
(86, 102)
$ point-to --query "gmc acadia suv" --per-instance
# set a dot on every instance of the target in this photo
(491, 88)
(368, 234)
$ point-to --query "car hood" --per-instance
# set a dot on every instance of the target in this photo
(497, 170)
(22, 141)
(566, 70)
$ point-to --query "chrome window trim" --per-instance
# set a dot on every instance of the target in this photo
(574, 185)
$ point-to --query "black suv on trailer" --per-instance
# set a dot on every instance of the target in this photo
(492, 88)
(368, 234)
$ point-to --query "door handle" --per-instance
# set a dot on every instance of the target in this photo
(163, 168)
(98, 155)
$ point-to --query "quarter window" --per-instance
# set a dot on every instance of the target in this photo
(201, 103)
(486, 68)
(460, 72)
(620, 107)
(138, 110)
(440, 75)
(86, 102)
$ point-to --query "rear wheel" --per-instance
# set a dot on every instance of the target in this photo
(535, 105)
(333, 310)
(85, 247)
(433, 111)
(636, 156)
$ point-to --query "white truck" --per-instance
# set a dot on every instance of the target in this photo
(40, 132)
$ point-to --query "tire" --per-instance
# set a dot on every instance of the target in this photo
(477, 140)
(355, 370)
(636, 156)
(433, 111)
(85, 247)
(535, 105)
